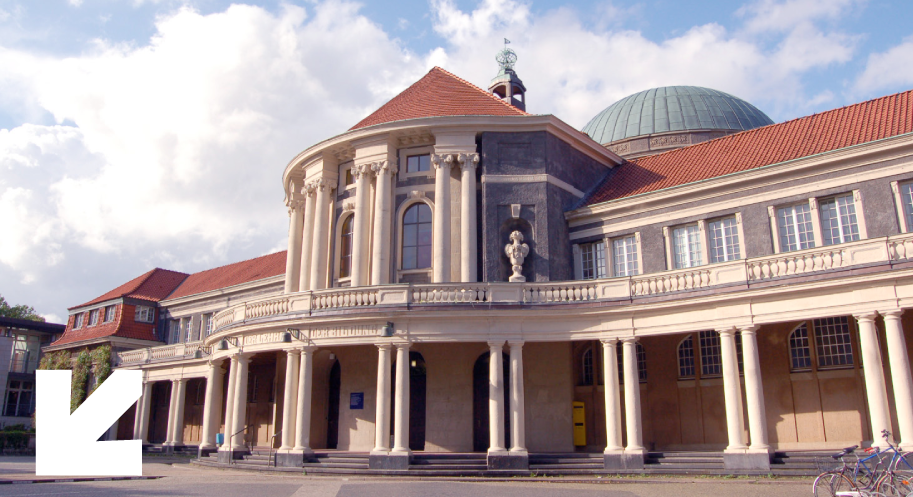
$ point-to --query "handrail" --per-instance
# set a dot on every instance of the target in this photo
(272, 440)
(230, 458)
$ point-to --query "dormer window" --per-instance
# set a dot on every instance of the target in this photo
(93, 317)
(145, 314)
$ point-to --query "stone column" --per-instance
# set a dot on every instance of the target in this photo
(303, 421)
(634, 452)
(293, 258)
(230, 401)
(517, 400)
(290, 399)
(441, 228)
(172, 403)
(754, 391)
(382, 413)
(612, 404)
(401, 402)
(900, 376)
(732, 390)
(143, 407)
(361, 225)
(307, 236)
(468, 236)
(239, 417)
(496, 399)
(383, 208)
(211, 412)
(320, 244)
(874, 378)
(180, 397)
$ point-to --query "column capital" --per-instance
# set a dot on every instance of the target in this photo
(309, 189)
(384, 346)
(443, 160)
(243, 357)
(403, 345)
(727, 332)
(865, 316)
(384, 167)
(606, 342)
(360, 171)
(891, 313)
(496, 344)
(749, 329)
(628, 339)
(318, 184)
(468, 160)
(307, 349)
(518, 343)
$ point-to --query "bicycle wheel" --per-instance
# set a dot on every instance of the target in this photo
(886, 485)
(822, 486)
(841, 483)
(904, 466)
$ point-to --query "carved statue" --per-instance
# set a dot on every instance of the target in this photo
(516, 251)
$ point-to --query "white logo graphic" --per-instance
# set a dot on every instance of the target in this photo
(67, 444)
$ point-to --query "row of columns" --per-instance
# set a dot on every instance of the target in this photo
(309, 224)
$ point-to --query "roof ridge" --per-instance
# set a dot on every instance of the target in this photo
(480, 90)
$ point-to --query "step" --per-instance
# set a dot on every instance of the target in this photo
(335, 465)
(685, 461)
(562, 467)
(425, 468)
(436, 462)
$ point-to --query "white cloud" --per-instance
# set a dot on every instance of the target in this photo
(75, 3)
(784, 15)
(891, 68)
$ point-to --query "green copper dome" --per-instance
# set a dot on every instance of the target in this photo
(674, 108)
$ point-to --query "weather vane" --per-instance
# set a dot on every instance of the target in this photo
(506, 57)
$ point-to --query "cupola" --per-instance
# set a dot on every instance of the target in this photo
(507, 85)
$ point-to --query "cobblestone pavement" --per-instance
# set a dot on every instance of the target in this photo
(178, 478)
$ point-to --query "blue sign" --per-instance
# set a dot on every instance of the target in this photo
(357, 400)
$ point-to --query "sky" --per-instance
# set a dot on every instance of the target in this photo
(153, 133)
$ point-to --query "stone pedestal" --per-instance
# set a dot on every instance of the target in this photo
(293, 458)
(205, 451)
(624, 460)
(746, 460)
(226, 456)
(515, 460)
(389, 460)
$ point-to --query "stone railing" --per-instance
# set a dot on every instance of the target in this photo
(742, 272)
(163, 353)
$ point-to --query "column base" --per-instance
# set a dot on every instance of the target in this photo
(624, 459)
(291, 458)
(205, 450)
(227, 455)
(746, 459)
(504, 459)
(389, 460)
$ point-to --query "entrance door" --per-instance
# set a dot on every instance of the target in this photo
(480, 382)
(333, 410)
(417, 387)
(161, 402)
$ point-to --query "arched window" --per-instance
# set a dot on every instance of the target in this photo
(800, 354)
(686, 358)
(417, 237)
(586, 377)
(641, 363)
(832, 342)
(345, 248)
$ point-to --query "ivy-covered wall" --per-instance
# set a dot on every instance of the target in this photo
(97, 361)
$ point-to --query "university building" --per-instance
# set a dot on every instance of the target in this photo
(468, 282)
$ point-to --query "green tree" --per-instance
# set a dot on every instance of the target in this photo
(21, 311)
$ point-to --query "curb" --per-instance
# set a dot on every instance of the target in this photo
(77, 479)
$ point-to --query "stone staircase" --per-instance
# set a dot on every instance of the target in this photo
(160, 449)
(566, 463)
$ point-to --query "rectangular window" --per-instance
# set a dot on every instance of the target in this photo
(350, 178)
(207, 324)
(592, 259)
(711, 354)
(906, 203)
(838, 220)
(187, 326)
(93, 317)
(724, 240)
(794, 224)
(174, 331)
(109, 313)
(832, 342)
(25, 353)
(144, 314)
(417, 163)
(624, 254)
(686, 246)
(19, 399)
(77, 321)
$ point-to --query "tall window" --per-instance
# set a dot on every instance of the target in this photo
(18, 398)
(586, 377)
(838, 220)
(417, 237)
(724, 239)
(711, 357)
(417, 163)
(109, 313)
(832, 342)
(207, 325)
(77, 321)
(686, 246)
(624, 255)
(187, 324)
(350, 178)
(26, 350)
(345, 248)
(174, 331)
(93, 317)
(641, 355)
(592, 260)
(800, 355)
(686, 363)
(906, 201)
(794, 224)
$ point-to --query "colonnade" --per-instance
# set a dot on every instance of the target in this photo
(310, 206)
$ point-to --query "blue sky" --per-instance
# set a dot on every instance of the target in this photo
(139, 134)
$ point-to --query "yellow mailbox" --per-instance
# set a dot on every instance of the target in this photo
(579, 425)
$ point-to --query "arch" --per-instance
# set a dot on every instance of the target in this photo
(480, 381)
(345, 221)
(800, 353)
(416, 238)
(587, 369)
(333, 406)
(686, 364)
(417, 400)
(400, 214)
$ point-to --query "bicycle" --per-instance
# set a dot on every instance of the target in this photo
(860, 480)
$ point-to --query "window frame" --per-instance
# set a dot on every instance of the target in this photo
(580, 250)
(815, 214)
(345, 171)
(113, 313)
(739, 234)
(346, 217)
(144, 314)
(839, 218)
(402, 158)
(905, 220)
(587, 368)
(638, 270)
(78, 320)
(400, 237)
(206, 324)
(669, 235)
(93, 318)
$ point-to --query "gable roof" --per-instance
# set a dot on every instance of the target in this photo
(439, 93)
(254, 269)
(154, 285)
(835, 129)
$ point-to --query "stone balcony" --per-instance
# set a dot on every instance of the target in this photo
(879, 254)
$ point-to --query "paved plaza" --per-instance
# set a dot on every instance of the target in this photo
(175, 476)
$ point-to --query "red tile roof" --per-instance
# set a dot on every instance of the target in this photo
(440, 93)
(154, 286)
(232, 274)
(851, 125)
(124, 325)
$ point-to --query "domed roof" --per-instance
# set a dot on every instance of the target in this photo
(674, 108)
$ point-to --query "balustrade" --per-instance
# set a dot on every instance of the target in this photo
(790, 264)
(689, 279)
(450, 293)
(559, 292)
